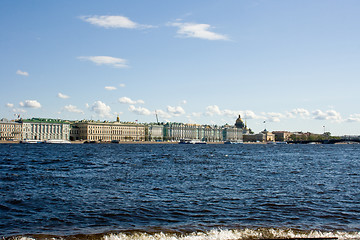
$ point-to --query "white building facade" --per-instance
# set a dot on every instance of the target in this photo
(45, 129)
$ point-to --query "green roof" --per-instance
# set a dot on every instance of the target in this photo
(43, 120)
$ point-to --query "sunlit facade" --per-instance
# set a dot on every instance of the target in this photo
(10, 131)
(107, 131)
(45, 129)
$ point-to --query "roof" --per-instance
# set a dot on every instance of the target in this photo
(43, 120)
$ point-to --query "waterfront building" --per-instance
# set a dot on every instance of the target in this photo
(259, 137)
(232, 133)
(107, 131)
(207, 133)
(155, 132)
(44, 129)
(282, 136)
(10, 130)
(178, 131)
(264, 136)
(211, 133)
(269, 136)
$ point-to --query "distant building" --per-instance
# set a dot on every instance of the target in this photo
(207, 133)
(10, 130)
(269, 137)
(178, 131)
(263, 136)
(155, 132)
(282, 136)
(56, 129)
(231, 133)
(107, 131)
(210, 133)
(45, 129)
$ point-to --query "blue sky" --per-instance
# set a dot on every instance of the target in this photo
(293, 64)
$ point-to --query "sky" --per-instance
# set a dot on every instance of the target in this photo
(282, 65)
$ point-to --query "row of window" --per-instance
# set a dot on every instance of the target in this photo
(120, 132)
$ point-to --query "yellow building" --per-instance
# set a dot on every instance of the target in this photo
(263, 136)
(10, 130)
(107, 131)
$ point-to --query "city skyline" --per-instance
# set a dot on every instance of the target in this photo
(281, 65)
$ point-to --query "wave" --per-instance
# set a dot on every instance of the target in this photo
(215, 234)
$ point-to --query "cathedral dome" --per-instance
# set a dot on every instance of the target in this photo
(239, 123)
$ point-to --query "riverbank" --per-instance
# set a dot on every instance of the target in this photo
(128, 142)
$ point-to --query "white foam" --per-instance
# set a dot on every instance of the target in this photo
(235, 235)
(218, 234)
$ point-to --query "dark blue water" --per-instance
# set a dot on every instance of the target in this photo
(64, 190)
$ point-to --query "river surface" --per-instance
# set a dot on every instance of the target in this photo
(162, 191)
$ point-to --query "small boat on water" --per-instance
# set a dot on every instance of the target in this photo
(93, 142)
(31, 141)
(57, 141)
(233, 142)
(276, 143)
(191, 141)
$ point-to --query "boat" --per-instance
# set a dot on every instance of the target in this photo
(57, 141)
(233, 142)
(31, 141)
(276, 143)
(191, 141)
(86, 142)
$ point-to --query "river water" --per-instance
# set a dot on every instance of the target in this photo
(170, 191)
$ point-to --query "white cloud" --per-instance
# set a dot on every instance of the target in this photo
(9, 105)
(274, 117)
(127, 100)
(163, 114)
(175, 111)
(113, 22)
(196, 114)
(139, 110)
(101, 109)
(194, 30)
(63, 96)
(110, 88)
(248, 114)
(300, 112)
(354, 118)
(230, 113)
(184, 102)
(328, 115)
(106, 60)
(19, 72)
(18, 110)
(213, 110)
(30, 104)
(121, 85)
(73, 109)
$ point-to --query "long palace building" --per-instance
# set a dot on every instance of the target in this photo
(105, 131)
